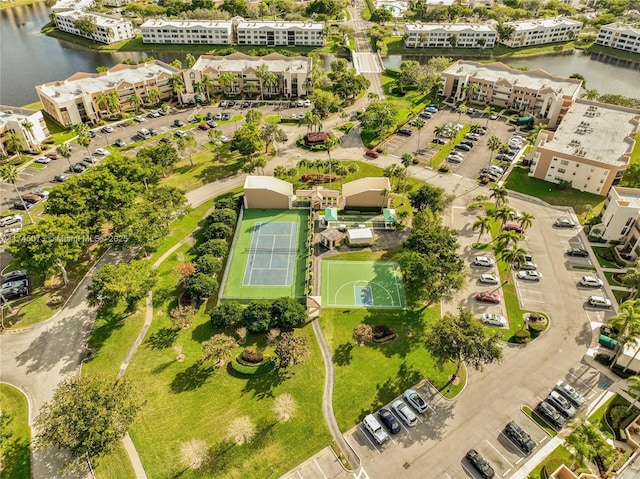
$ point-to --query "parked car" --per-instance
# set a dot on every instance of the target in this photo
(204, 126)
(471, 111)
(245, 104)
(405, 131)
(439, 141)
(165, 139)
(43, 160)
(178, 123)
(581, 253)
(231, 103)
(120, 143)
(469, 143)
(528, 266)
(15, 292)
(223, 104)
(591, 282)
(416, 401)
(489, 278)
(60, 178)
(503, 157)
(404, 412)
(139, 119)
(562, 404)
(389, 420)
(494, 320)
(226, 117)
(92, 133)
(488, 297)
(16, 275)
(455, 159)
(107, 129)
(425, 114)
(513, 227)
(550, 414)
(484, 261)
(86, 163)
(564, 223)
(472, 136)
(462, 147)
(101, 152)
(431, 109)
(153, 132)
(372, 153)
(78, 168)
(529, 275)
(44, 194)
(52, 155)
(301, 116)
(570, 393)
(212, 124)
(520, 437)
(479, 463)
(22, 205)
(307, 103)
(218, 116)
(599, 302)
(224, 139)
(31, 198)
(372, 425)
(180, 133)
(493, 117)
(10, 220)
(153, 114)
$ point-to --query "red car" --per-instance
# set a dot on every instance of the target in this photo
(52, 155)
(372, 154)
(513, 227)
(204, 126)
(488, 297)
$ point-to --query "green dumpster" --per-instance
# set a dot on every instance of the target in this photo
(607, 342)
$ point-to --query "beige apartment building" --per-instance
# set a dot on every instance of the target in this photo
(590, 149)
(79, 98)
(533, 92)
(541, 32)
(621, 36)
(438, 35)
(28, 124)
(292, 74)
(207, 32)
(277, 33)
(108, 29)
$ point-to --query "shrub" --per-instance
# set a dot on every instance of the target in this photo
(203, 286)
(208, 264)
(253, 369)
(226, 314)
(225, 216)
(214, 247)
(230, 203)
(218, 231)
(484, 180)
(537, 327)
(522, 336)
(381, 331)
(443, 169)
(287, 312)
(257, 316)
(252, 356)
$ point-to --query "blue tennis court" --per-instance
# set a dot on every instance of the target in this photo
(272, 254)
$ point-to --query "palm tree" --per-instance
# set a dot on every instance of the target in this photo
(226, 80)
(341, 171)
(64, 150)
(27, 125)
(584, 440)
(482, 224)
(503, 214)
(102, 101)
(418, 125)
(508, 238)
(628, 322)
(439, 130)
(633, 383)
(304, 165)
(353, 168)
(270, 82)
(11, 174)
(311, 119)
(249, 86)
(590, 94)
(136, 101)
(154, 96)
(83, 137)
(15, 143)
(261, 73)
(494, 143)
(631, 279)
(526, 220)
(499, 193)
(177, 85)
(113, 102)
(515, 255)
(488, 111)
(461, 109)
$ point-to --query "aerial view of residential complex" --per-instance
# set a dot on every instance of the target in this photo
(312, 239)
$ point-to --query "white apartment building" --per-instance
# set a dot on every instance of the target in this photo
(211, 32)
(620, 215)
(540, 32)
(270, 33)
(28, 124)
(116, 3)
(531, 92)
(107, 29)
(438, 35)
(621, 36)
(591, 148)
(67, 5)
(292, 73)
(79, 98)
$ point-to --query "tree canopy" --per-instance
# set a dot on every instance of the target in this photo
(428, 197)
(128, 282)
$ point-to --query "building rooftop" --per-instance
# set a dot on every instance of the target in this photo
(629, 197)
(239, 62)
(544, 23)
(366, 184)
(250, 25)
(8, 113)
(596, 131)
(530, 79)
(92, 83)
(268, 183)
(159, 22)
(101, 20)
(622, 27)
(439, 3)
(453, 27)
(62, 5)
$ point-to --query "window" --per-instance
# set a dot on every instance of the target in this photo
(564, 162)
(561, 170)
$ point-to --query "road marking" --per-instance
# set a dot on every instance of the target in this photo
(360, 473)
(519, 460)
(300, 475)
(399, 420)
(467, 470)
(544, 438)
(448, 476)
(582, 382)
(499, 453)
(506, 472)
(370, 441)
(318, 465)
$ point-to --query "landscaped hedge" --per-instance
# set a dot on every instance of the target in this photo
(249, 369)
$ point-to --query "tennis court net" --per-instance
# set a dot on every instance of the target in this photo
(270, 250)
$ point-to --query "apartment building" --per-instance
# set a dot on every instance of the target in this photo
(28, 124)
(68, 5)
(620, 216)
(621, 36)
(106, 29)
(81, 97)
(292, 74)
(270, 33)
(210, 32)
(115, 3)
(590, 149)
(532, 92)
(443, 35)
(541, 32)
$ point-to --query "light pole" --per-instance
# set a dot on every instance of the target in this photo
(506, 281)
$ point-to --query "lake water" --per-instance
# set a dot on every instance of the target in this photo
(28, 58)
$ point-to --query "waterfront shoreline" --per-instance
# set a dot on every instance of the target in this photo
(17, 3)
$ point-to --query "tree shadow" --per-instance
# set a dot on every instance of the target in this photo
(191, 378)
(261, 387)
(202, 332)
(342, 354)
(161, 367)
(168, 293)
(163, 338)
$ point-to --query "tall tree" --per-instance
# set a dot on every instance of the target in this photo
(187, 144)
(462, 338)
(631, 279)
(483, 225)
(292, 349)
(128, 282)
(218, 348)
(284, 407)
(429, 197)
(494, 143)
(499, 194)
(628, 323)
(83, 137)
(525, 220)
(88, 416)
(270, 133)
(515, 255)
(11, 174)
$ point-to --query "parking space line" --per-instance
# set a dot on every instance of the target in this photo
(511, 441)
(370, 441)
(299, 475)
(499, 453)
(506, 472)
(319, 468)
(519, 460)
(582, 382)
(399, 420)
(467, 470)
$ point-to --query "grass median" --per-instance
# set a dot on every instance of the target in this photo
(16, 434)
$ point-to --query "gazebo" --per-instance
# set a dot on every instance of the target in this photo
(330, 214)
(390, 219)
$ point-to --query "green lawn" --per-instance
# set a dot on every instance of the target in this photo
(16, 434)
(635, 153)
(439, 157)
(541, 422)
(603, 252)
(560, 455)
(614, 52)
(597, 417)
(583, 203)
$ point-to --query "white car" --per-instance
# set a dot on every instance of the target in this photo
(483, 261)
(529, 275)
(405, 413)
(307, 103)
(417, 401)
(139, 119)
(494, 320)
(489, 278)
(42, 193)
(224, 139)
(43, 160)
(599, 302)
(591, 282)
(107, 129)
(454, 159)
(101, 152)
(9, 220)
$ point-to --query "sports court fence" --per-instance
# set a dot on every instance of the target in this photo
(230, 255)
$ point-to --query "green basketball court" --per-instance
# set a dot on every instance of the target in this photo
(365, 284)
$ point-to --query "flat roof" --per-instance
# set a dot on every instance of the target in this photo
(101, 20)
(8, 113)
(529, 79)
(544, 23)
(61, 5)
(239, 62)
(275, 25)
(596, 131)
(439, 3)
(159, 23)
(451, 27)
(91, 83)
(629, 195)
(360, 233)
(622, 27)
